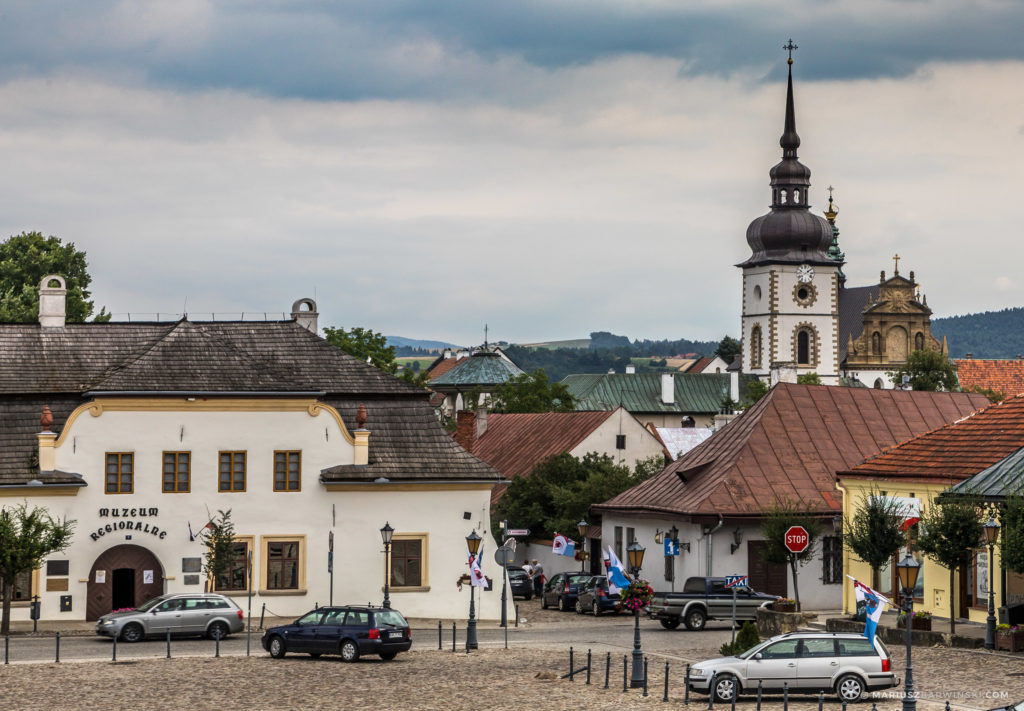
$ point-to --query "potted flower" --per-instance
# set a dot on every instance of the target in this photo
(1009, 638)
(784, 604)
(918, 621)
(637, 596)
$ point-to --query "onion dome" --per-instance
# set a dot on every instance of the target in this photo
(790, 233)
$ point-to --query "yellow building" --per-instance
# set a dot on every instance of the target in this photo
(915, 473)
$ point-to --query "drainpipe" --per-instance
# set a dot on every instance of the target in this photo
(708, 535)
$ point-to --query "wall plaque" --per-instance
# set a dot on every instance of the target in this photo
(191, 565)
(191, 579)
(57, 567)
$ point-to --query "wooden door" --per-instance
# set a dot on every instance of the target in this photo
(763, 576)
(123, 558)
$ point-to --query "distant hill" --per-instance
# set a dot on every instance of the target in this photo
(400, 342)
(992, 334)
(578, 343)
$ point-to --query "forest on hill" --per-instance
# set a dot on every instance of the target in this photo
(992, 334)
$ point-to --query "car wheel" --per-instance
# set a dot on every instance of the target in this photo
(529, 596)
(669, 623)
(218, 630)
(561, 604)
(388, 656)
(132, 632)
(695, 619)
(349, 651)
(544, 602)
(579, 607)
(850, 688)
(594, 609)
(277, 647)
(726, 688)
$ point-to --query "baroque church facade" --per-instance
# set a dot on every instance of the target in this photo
(798, 315)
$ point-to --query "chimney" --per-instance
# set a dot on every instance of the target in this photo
(481, 421)
(668, 388)
(52, 301)
(969, 355)
(361, 455)
(784, 372)
(734, 386)
(304, 313)
(722, 419)
(465, 429)
(630, 370)
(47, 443)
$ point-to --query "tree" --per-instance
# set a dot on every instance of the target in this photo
(992, 395)
(808, 379)
(874, 534)
(532, 393)
(756, 389)
(24, 260)
(1011, 532)
(219, 538)
(561, 489)
(26, 537)
(780, 518)
(728, 348)
(949, 531)
(365, 345)
(928, 370)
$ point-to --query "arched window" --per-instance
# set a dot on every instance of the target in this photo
(876, 343)
(919, 342)
(803, 348)
(879, 385)
(796, 197)
(782, 198)
(755, 347)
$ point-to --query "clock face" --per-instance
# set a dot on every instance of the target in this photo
(804, 273)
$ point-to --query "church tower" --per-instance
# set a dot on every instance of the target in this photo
(790, 282)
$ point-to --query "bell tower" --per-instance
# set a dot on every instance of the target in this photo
(790, 281)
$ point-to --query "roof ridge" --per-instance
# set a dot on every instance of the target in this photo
(134, 358)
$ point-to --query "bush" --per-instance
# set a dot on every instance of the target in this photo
(747, 638)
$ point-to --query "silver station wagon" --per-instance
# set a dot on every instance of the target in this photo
(805, 662)
(209, 614)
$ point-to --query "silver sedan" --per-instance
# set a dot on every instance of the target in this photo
(209, 614)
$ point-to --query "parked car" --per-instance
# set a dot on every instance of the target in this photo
(595, 598)
(808, 662)
(704, 599)
(520, 583)
(349, 631)
(561, 590)
(215, 616)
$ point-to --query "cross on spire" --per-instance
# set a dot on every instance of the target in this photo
(789, 47)
(485, 336)
(896, 264)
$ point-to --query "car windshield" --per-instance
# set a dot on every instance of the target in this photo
(390, 618)
(578, 579)
(150, 604)
(513, 573)
(753, 650)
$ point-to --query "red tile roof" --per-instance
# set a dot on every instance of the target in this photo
(790, 445)
(953, 452)
(514, 443)
(442, 367)
(700, 365)
(1004, 376)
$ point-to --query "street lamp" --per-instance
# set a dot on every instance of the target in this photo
(472, 545)
(908, 570)
(991, 535)
(635, 555)
(583, 527)
(385, 535)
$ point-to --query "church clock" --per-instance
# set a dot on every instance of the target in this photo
(805, 273)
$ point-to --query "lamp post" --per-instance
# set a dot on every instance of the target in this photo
(472, 545)
(908, 570)
(583, 527)
(635, 554)
(991, 534)
(673, 534)
(385, 535)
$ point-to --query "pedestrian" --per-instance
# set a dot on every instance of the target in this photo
(538, 578)
(528, 568)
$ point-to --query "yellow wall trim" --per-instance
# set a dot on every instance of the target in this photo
(200, 404)
(426, 486)
(34, 491)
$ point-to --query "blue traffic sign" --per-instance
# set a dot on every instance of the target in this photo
(671, 546)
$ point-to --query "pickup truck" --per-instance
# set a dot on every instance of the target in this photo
(704, 599)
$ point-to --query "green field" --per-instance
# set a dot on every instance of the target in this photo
(404, 363)
(580, 343)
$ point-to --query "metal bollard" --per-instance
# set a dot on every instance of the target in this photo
(588, 667)
(262, 612)
(785, 696)
(57, 660)
(735, 689)
(874, 706)
(7, 649)
(759, 682)
(216, 645)
(517, 615)
(711, 692)
(645, 677)
(114, 647)
(453, 636)
(571, 678)
(821, 700)
(624, 673)
(665, 697)
(607, 668)
(844, 704)
(686, 686)
(168, 644)
(875, 709)
(439, 635)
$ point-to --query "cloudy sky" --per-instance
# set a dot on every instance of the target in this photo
(547, 167)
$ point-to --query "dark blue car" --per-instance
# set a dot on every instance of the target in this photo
(348, 631)
(561, 590)
(595, 598)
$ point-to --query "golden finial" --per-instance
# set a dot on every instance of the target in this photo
(789, 47)
(832, 212)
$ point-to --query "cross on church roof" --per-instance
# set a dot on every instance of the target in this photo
(896, 265)
(789, 47)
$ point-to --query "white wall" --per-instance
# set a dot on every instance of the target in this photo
(640, 443)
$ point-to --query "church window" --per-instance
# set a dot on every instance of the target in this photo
(876, 343)
(782, 197)
(803, 348)
(919, 342)
(757, 292)
(796, 197)
(755, 347)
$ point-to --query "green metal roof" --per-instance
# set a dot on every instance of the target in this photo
(481, 368)
(1000, 480)
(698, 393)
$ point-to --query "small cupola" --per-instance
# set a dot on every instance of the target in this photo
(53, 294)
(304, 313)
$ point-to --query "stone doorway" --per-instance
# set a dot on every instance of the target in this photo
(122, 576)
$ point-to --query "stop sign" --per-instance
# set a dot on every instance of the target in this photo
(797, 539)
